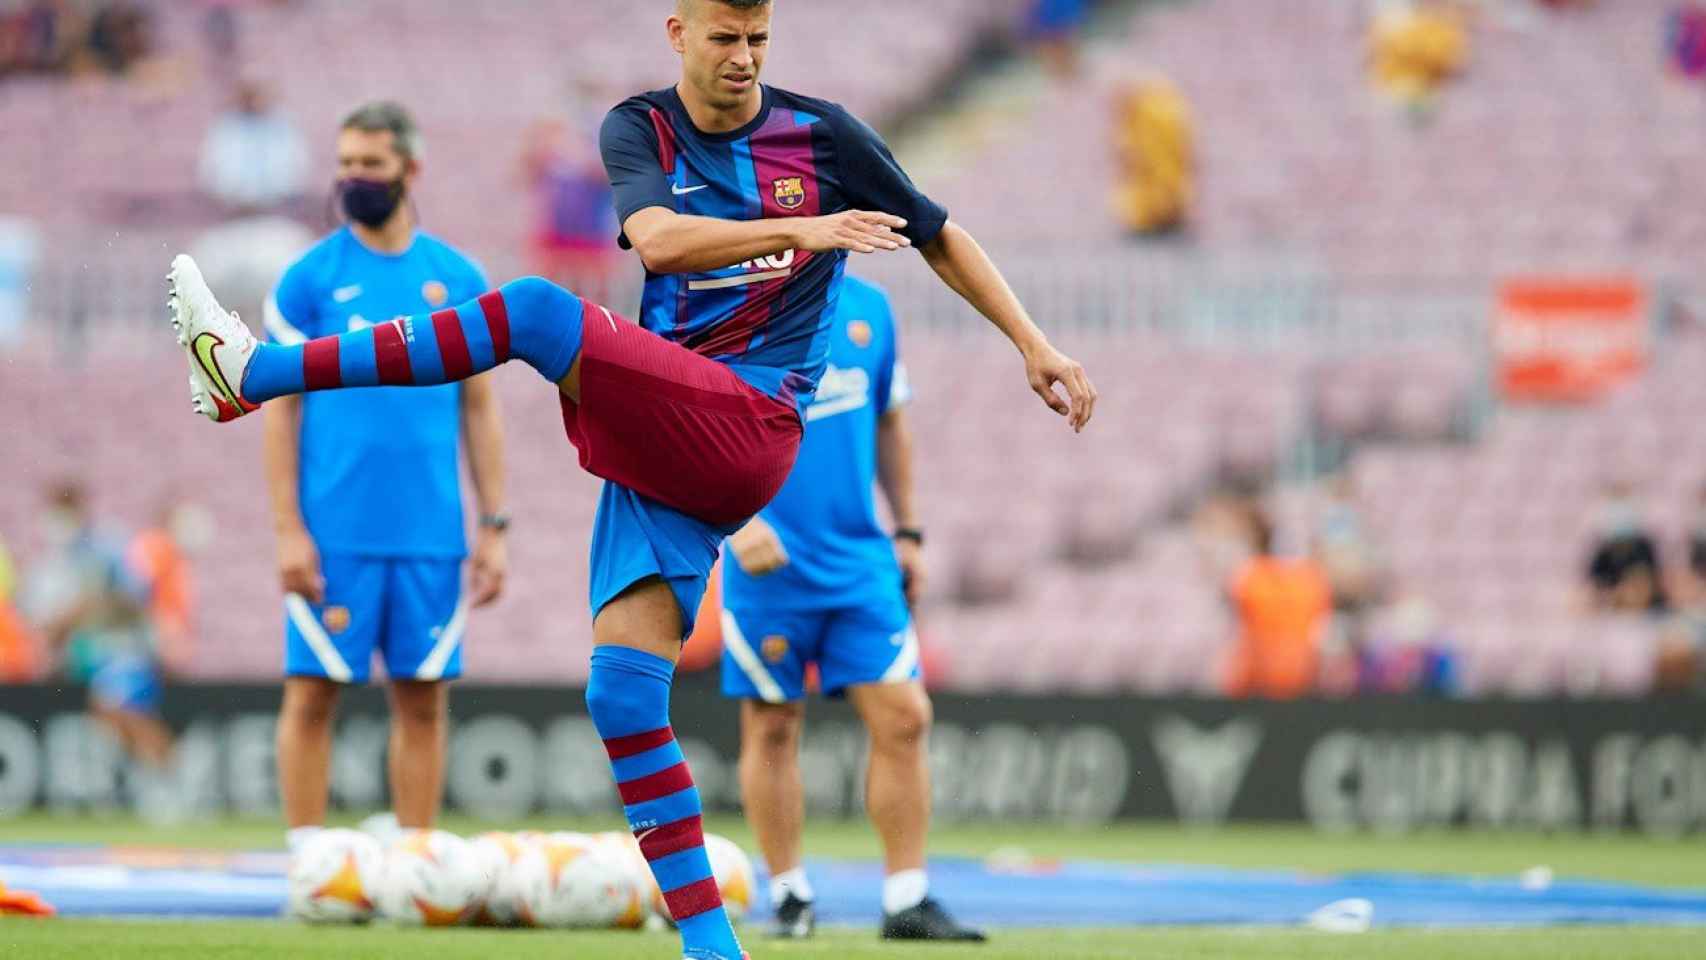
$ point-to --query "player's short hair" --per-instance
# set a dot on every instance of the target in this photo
(381, 116)
(737, 4)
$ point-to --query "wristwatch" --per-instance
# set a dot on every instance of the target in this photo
(915, 534)
(495, 522)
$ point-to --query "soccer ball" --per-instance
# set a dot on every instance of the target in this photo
(572, 880)
(497, 854)
(432, 879)
(733, 870)
(624, 851)
(334, 876)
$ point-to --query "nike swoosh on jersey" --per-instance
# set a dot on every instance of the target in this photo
(204, 346)
(682, 191)
(346, 294)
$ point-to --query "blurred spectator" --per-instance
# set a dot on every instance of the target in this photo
(1685, 40)
(1283, 607)
(40, 37)
(20, 246)
(1408, 653)
(219, 27)
(1053, 26)
(1624, 573)
(121, 38)
(1155, 145)
(17, 650)
(253, 159)
(160, 556)
(1415, 48)
(92, 611)
(1346, 550)
(572, 242)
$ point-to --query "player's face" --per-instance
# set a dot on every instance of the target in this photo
(722, 50)
(371, 155)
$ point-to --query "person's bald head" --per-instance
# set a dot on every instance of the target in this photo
(722, 45)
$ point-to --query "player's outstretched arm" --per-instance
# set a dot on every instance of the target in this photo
(961, 263)
(670, 242)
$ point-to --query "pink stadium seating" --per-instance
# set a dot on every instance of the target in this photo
(1337, 277)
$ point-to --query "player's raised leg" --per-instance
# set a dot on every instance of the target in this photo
(232, 373)
(638, 641)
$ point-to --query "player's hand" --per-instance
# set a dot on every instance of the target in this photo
(757, 549)
(488, 566)
(910, 554)
(860, 231)
(299, 566)
(1045, 367)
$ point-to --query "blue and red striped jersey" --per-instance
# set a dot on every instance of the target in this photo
(768, 319)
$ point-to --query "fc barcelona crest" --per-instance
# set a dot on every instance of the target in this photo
(336, 619)
(860, 333)
(791, 192)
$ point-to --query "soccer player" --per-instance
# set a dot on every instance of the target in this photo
(815, 579)
(366, 496)
(743, 201)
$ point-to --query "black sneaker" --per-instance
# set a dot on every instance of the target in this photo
(795, 919)
(928, 921)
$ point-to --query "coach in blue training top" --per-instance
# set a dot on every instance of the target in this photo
(816, 579)
(365, 487)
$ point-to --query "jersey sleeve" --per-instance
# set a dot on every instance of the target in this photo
(629, 145)
(873, 180)
(289, 316)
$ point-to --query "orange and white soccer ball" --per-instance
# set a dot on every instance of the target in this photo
(735, 878)
(334, 877)
(433, 879)
(497, 854)
(624, 852)
(572, 880)
(732, 869)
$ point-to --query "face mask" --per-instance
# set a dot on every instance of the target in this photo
(370, 202)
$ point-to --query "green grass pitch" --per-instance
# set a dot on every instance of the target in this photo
(1611, 857)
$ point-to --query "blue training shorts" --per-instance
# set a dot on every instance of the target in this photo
(126, 682)
(765, 652)
(410, 610)
(635, 538)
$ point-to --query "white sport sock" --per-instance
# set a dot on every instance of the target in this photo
(904, 890)
(792, 881)
(297, 837)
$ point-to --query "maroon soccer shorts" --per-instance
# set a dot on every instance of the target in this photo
(676, 426)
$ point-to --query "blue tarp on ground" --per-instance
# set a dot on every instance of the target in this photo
(82, 881)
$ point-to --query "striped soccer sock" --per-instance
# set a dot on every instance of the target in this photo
(628, 697)
(531, 320)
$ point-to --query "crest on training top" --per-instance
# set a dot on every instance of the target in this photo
(860, 333)
(434, 293)
(790, 192)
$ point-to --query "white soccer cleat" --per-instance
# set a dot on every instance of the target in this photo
(218, 343)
